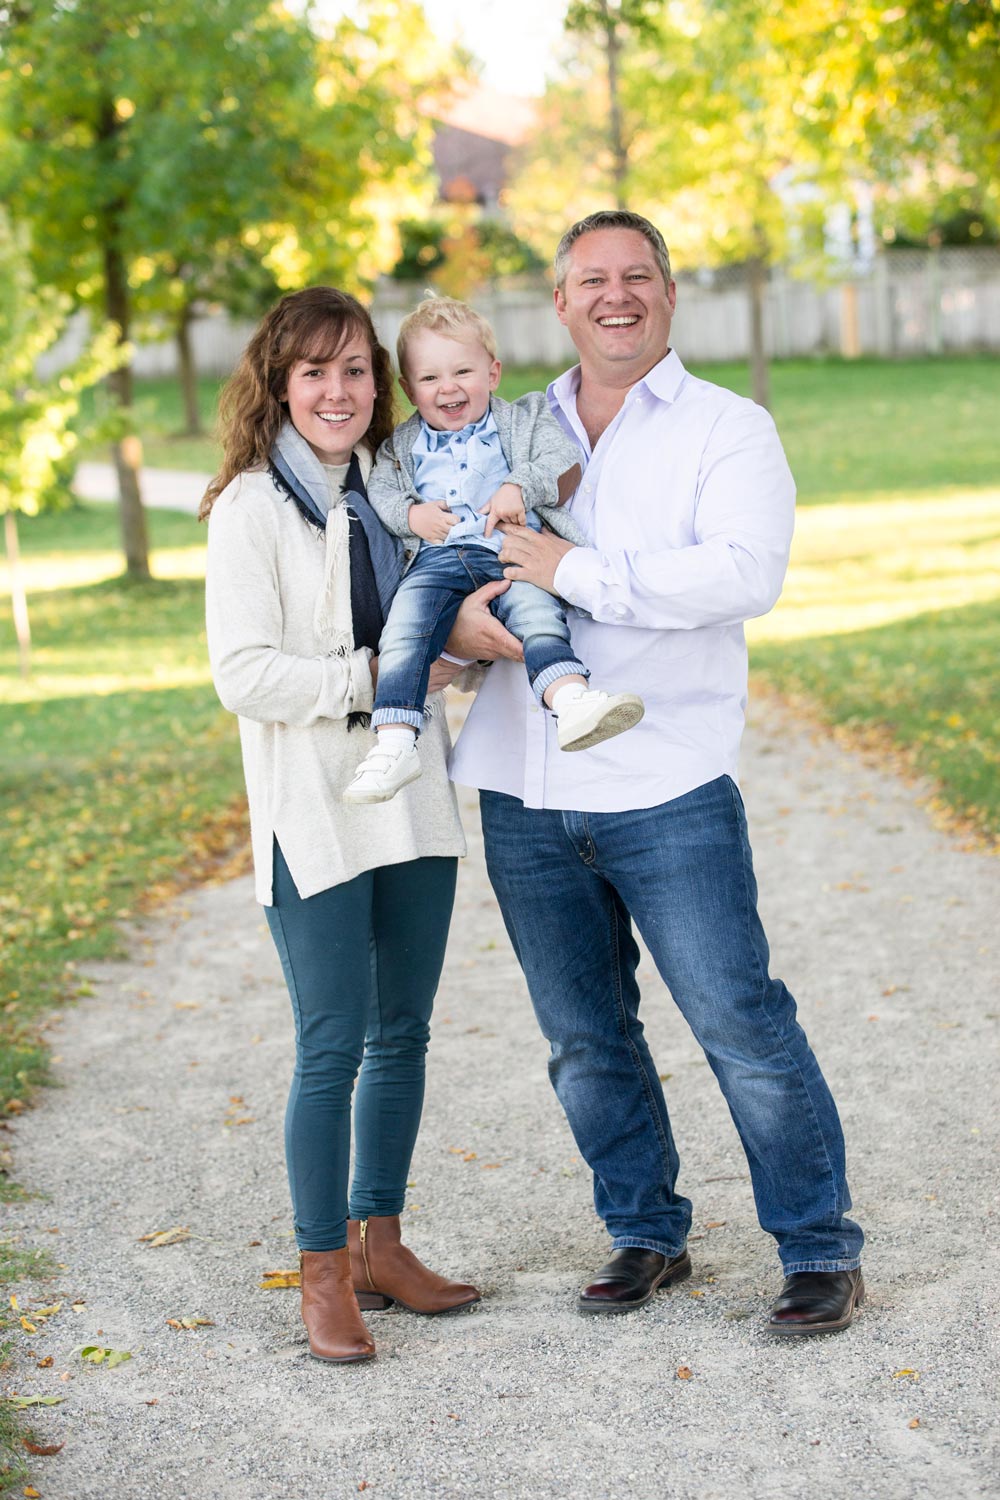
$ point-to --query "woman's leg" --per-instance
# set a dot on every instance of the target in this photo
(411, 910)
(325, 945)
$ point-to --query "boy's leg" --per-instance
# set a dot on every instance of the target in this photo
(538, 619)
(557, 676)
(419, 623)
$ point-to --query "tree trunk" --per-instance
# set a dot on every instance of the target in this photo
(18, 597)
(127, 451)
(186, 372)
(619, 151)
(760, 380)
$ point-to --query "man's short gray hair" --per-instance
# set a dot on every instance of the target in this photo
(612, 218)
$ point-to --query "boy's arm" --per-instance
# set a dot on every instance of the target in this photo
(541, 453)
(389, 492)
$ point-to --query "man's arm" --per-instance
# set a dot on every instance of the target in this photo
(732, 572)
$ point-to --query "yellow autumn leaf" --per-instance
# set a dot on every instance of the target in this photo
(906, 1374)
(46, 1312)
(28, 1327)
(274, 1280)
(158, 1237)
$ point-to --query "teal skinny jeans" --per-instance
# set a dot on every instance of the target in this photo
(362, 962)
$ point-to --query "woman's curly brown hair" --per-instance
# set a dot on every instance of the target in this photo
(314, 325)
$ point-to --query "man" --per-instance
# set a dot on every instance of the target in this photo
(689, 501)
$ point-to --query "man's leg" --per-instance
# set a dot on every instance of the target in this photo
(572, 938)
(685, 872)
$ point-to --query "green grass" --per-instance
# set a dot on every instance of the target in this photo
(852, 430)
(118, 769)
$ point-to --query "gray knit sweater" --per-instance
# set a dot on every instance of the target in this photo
(533, 443)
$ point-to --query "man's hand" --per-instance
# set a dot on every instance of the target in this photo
(431, 520)
(478, 635)
(442, 672)
(533, 556)
(506, 505)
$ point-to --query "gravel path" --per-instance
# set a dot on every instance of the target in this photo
(173, 1080)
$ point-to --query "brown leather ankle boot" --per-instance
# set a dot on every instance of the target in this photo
(384, 1272)
(330, 1311)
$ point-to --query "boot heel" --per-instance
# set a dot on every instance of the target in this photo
(373, 1301)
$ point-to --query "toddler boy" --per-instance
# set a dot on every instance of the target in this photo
(465, 462)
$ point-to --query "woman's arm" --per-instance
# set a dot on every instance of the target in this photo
(252, 675)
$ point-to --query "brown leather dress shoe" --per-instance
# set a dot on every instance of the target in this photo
(384, 1272)
(630, 1278)
(816, 1302)
(336, 1329)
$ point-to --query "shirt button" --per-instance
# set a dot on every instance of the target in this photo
(453, 492)
(463, 466)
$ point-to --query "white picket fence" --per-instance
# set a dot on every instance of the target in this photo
(912, 302)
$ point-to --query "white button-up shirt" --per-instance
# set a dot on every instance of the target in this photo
(689, 503)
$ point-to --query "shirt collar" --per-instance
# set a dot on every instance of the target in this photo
(435, 439)
(664, 381)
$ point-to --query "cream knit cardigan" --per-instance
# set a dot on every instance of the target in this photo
(267, 570)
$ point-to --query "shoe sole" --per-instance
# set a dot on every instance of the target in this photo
(346, 1359)
(669, 1278)
(360, 798)
(806, 1330)
(624, 716)
(380, 1302)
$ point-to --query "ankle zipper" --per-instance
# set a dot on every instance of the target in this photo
(363, 1226)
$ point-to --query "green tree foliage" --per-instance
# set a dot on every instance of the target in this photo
(167, 153)
(36, 416)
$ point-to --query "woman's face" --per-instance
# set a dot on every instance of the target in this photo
(331, 402)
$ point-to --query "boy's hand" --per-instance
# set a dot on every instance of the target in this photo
(431, 520)
(506, 505)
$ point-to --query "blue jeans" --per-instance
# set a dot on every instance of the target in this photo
(424, 610)
(568, 885)
(362, 962)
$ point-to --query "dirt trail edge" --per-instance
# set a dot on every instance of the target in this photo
(173, 1079)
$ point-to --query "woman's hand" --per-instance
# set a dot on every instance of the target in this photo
(431, 520)
(477, 635)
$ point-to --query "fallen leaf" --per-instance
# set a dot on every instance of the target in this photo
(46, 1363)
(684, 1372)
(914, 1423)
(906, 1374)
(29, 1489)
(96, 1354)
(46, 1312)
(273, 1280)
(158, 1237)
(13, 1304)
(716, 1224)
(362, 1484)
(252, 1243)
(42, 1450)
(28, 1327)
(22, 1401)
(490, 1166)
(154, 1401)
(79, 1306)
(469, 1156)
(190, 1323)
(694, 1291)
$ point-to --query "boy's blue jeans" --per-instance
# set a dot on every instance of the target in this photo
(569, 885)
(424, 610)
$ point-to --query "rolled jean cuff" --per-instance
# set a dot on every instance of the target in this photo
(548, 675)
(794, 1267)
(411, 716)
(634, 1242)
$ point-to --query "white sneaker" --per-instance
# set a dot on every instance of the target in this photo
(595, 716)
(382, 773)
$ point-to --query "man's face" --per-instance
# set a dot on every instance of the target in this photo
(615, 305)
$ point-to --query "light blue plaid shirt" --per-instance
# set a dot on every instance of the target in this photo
(465, 469)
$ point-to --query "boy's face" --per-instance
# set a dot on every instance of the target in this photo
(448, 380)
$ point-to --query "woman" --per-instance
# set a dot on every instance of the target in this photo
(358, 900)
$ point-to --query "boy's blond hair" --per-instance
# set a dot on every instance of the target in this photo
(447, 316)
